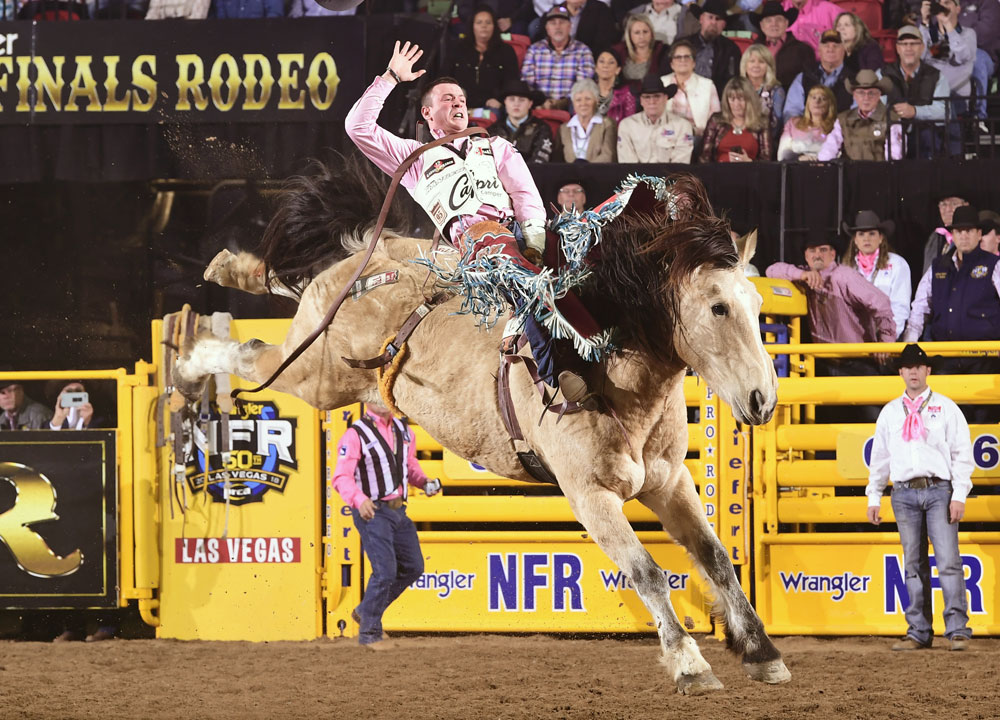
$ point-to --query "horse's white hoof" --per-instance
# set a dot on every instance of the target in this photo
(218, 269)
(772, 672)
(703, 682)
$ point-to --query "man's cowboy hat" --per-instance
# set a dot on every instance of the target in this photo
(989, 221)
(770, 9)
(821, 236)
(715, 7)
(868, 220)
(519, 88)
(653, 84)
(868, 79)
(965, 217)
(914, 355)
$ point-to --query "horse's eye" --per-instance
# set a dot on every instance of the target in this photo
(720, 309)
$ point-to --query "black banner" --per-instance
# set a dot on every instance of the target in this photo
(180, 71)
(58, 519)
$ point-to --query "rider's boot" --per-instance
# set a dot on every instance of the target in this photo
(575, 389)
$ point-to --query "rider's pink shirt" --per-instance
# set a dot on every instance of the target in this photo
(388, 151)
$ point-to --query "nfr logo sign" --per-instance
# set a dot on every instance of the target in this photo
(897, 598)
(516, 578)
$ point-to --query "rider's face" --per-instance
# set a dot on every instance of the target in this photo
(447, 111)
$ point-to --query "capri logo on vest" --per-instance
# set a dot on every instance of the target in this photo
(261, 451)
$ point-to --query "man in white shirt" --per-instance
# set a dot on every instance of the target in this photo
(922, 443)
(655, 135)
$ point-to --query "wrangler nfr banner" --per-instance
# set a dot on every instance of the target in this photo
(180, 71)
(58, 510)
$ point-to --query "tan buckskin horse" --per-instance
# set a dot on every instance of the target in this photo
(674, 288)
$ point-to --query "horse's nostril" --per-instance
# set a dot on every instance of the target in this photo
(756, 402)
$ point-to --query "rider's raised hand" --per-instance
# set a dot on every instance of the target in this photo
(402, 62)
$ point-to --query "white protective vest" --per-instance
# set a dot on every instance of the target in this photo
(450, 186)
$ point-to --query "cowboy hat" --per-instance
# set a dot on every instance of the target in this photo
(770, 9)
(868, 79)
(519, 88)
(715, 7)
(965, 217)
(652, 84)
(989, 221)
(821, 236)
(914, 355)
(868, 220)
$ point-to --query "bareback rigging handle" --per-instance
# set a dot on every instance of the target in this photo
(335, 306)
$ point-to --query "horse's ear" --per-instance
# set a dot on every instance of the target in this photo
(746, 246)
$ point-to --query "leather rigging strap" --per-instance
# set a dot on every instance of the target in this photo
(379, 224)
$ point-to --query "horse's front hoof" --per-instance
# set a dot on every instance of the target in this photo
(700, 684)
(772, 672)
(218, 270)
(190, 386)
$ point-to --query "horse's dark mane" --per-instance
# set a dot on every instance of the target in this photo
(321, 217)
(645, 256)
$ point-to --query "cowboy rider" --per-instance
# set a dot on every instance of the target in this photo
(477, 181)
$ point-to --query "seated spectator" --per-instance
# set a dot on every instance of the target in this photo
(663, 16)
(961, 293)
(482, 63)
(983, 16)
(869, 131)
(869, 253)
(951, 48)
(861, 51)
(655, 135)
(70, 416)
(554, 64)
(249, 8)
(532, 137)
(843, 306)
(804, 136)
(572, 195)
(696, 99)
(587, 137)
(18, 411)
(740, 133)
(829, 71)
(989, 223)
(642, 52)
(814, 19)
(791, 56)
(592, 23)
(940, 241)
(915, 84)
(511, 15)
(716, 57)
(198, 9)
(615, 100)
(757, 66)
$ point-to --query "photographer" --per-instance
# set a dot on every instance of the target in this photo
(73, 409)
(951, 48)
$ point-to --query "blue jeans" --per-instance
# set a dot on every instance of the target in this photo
(982, 71)
(390, 541)
(921, 514)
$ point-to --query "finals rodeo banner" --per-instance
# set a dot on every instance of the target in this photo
(58, 519)
(164, 71)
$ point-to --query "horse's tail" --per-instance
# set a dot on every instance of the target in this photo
(323, 217)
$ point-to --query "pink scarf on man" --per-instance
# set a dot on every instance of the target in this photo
(913, 426)
(867, 263)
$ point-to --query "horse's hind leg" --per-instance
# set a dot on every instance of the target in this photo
(600, 512)
(676, 504)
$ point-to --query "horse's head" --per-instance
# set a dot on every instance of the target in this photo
(717, 332)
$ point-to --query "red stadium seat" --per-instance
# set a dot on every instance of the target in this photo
(870, 11)
(887, 41)
(554, 118)
(520, 43)
(743, 42)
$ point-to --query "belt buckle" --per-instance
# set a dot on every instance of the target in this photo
(920, 483)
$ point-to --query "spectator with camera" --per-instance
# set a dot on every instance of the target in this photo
(951, 48)
(73, 409)
(869, 131)
(18, 411)
(655, 135)
(917, 91)
(829, 71)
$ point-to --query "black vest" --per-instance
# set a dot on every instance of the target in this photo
(964, 303)
(918, 91)
(813, 76)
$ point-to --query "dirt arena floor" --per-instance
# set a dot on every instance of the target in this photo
(472, 677)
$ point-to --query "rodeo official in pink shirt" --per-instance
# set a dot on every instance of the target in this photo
(922, 444)
(376, 459)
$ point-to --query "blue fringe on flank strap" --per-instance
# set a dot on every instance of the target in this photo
(486, 281)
